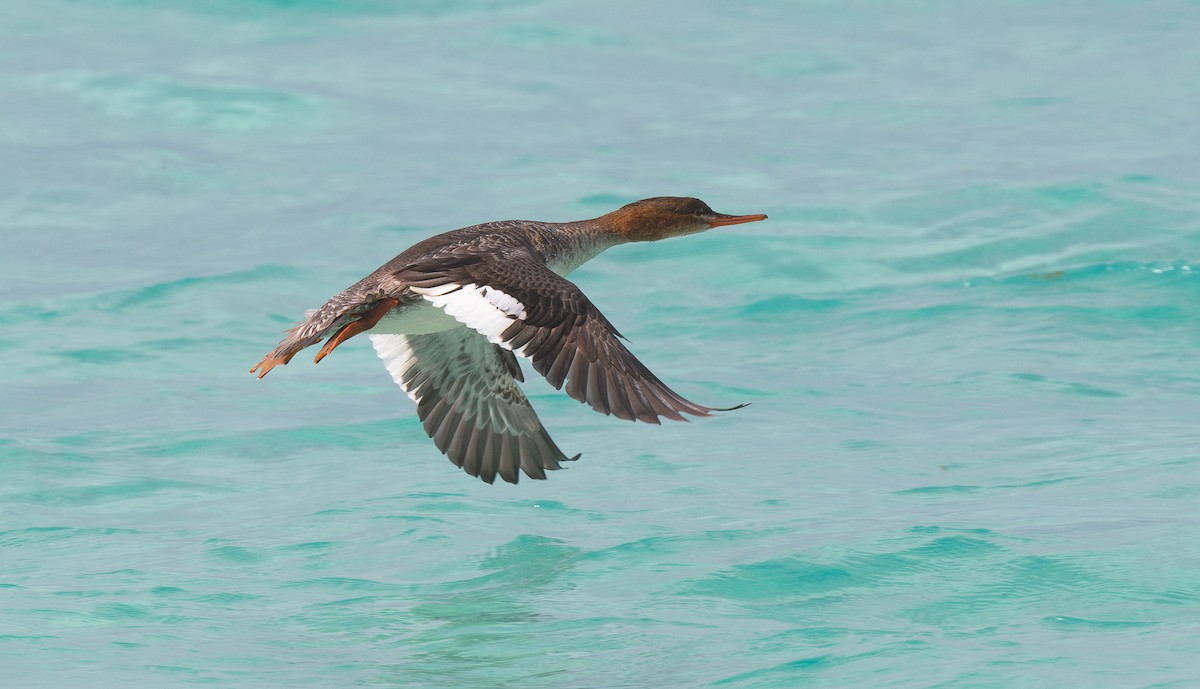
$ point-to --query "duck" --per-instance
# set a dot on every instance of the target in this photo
(451, 315)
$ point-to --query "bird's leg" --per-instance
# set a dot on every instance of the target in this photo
(365, 322)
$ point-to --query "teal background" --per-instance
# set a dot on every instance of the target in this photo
(969, 334)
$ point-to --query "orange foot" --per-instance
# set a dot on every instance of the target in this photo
(365, 322)
(269, 362)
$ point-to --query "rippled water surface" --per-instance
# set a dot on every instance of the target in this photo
(969, 333)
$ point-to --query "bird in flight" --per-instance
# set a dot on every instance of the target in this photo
(450, 315)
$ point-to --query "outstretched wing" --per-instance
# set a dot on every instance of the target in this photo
(523, 306)
(470, 404)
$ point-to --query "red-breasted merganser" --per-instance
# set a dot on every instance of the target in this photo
(450, 315)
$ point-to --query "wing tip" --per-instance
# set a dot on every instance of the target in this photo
(516, 479)
(700, 411)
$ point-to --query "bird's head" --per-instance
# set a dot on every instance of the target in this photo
(649, 220)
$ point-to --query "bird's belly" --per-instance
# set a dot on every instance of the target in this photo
(420, 318)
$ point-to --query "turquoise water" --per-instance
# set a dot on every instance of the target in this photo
(969, 333)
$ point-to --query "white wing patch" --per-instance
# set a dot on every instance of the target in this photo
(397, 358)
(484, 309)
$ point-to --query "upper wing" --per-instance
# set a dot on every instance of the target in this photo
(519, 304)
(469, 402)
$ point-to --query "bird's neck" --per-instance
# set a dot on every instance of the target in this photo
(566, 246)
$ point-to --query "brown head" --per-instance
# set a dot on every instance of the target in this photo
(649, 220)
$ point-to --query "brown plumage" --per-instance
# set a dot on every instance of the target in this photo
(448, 314)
